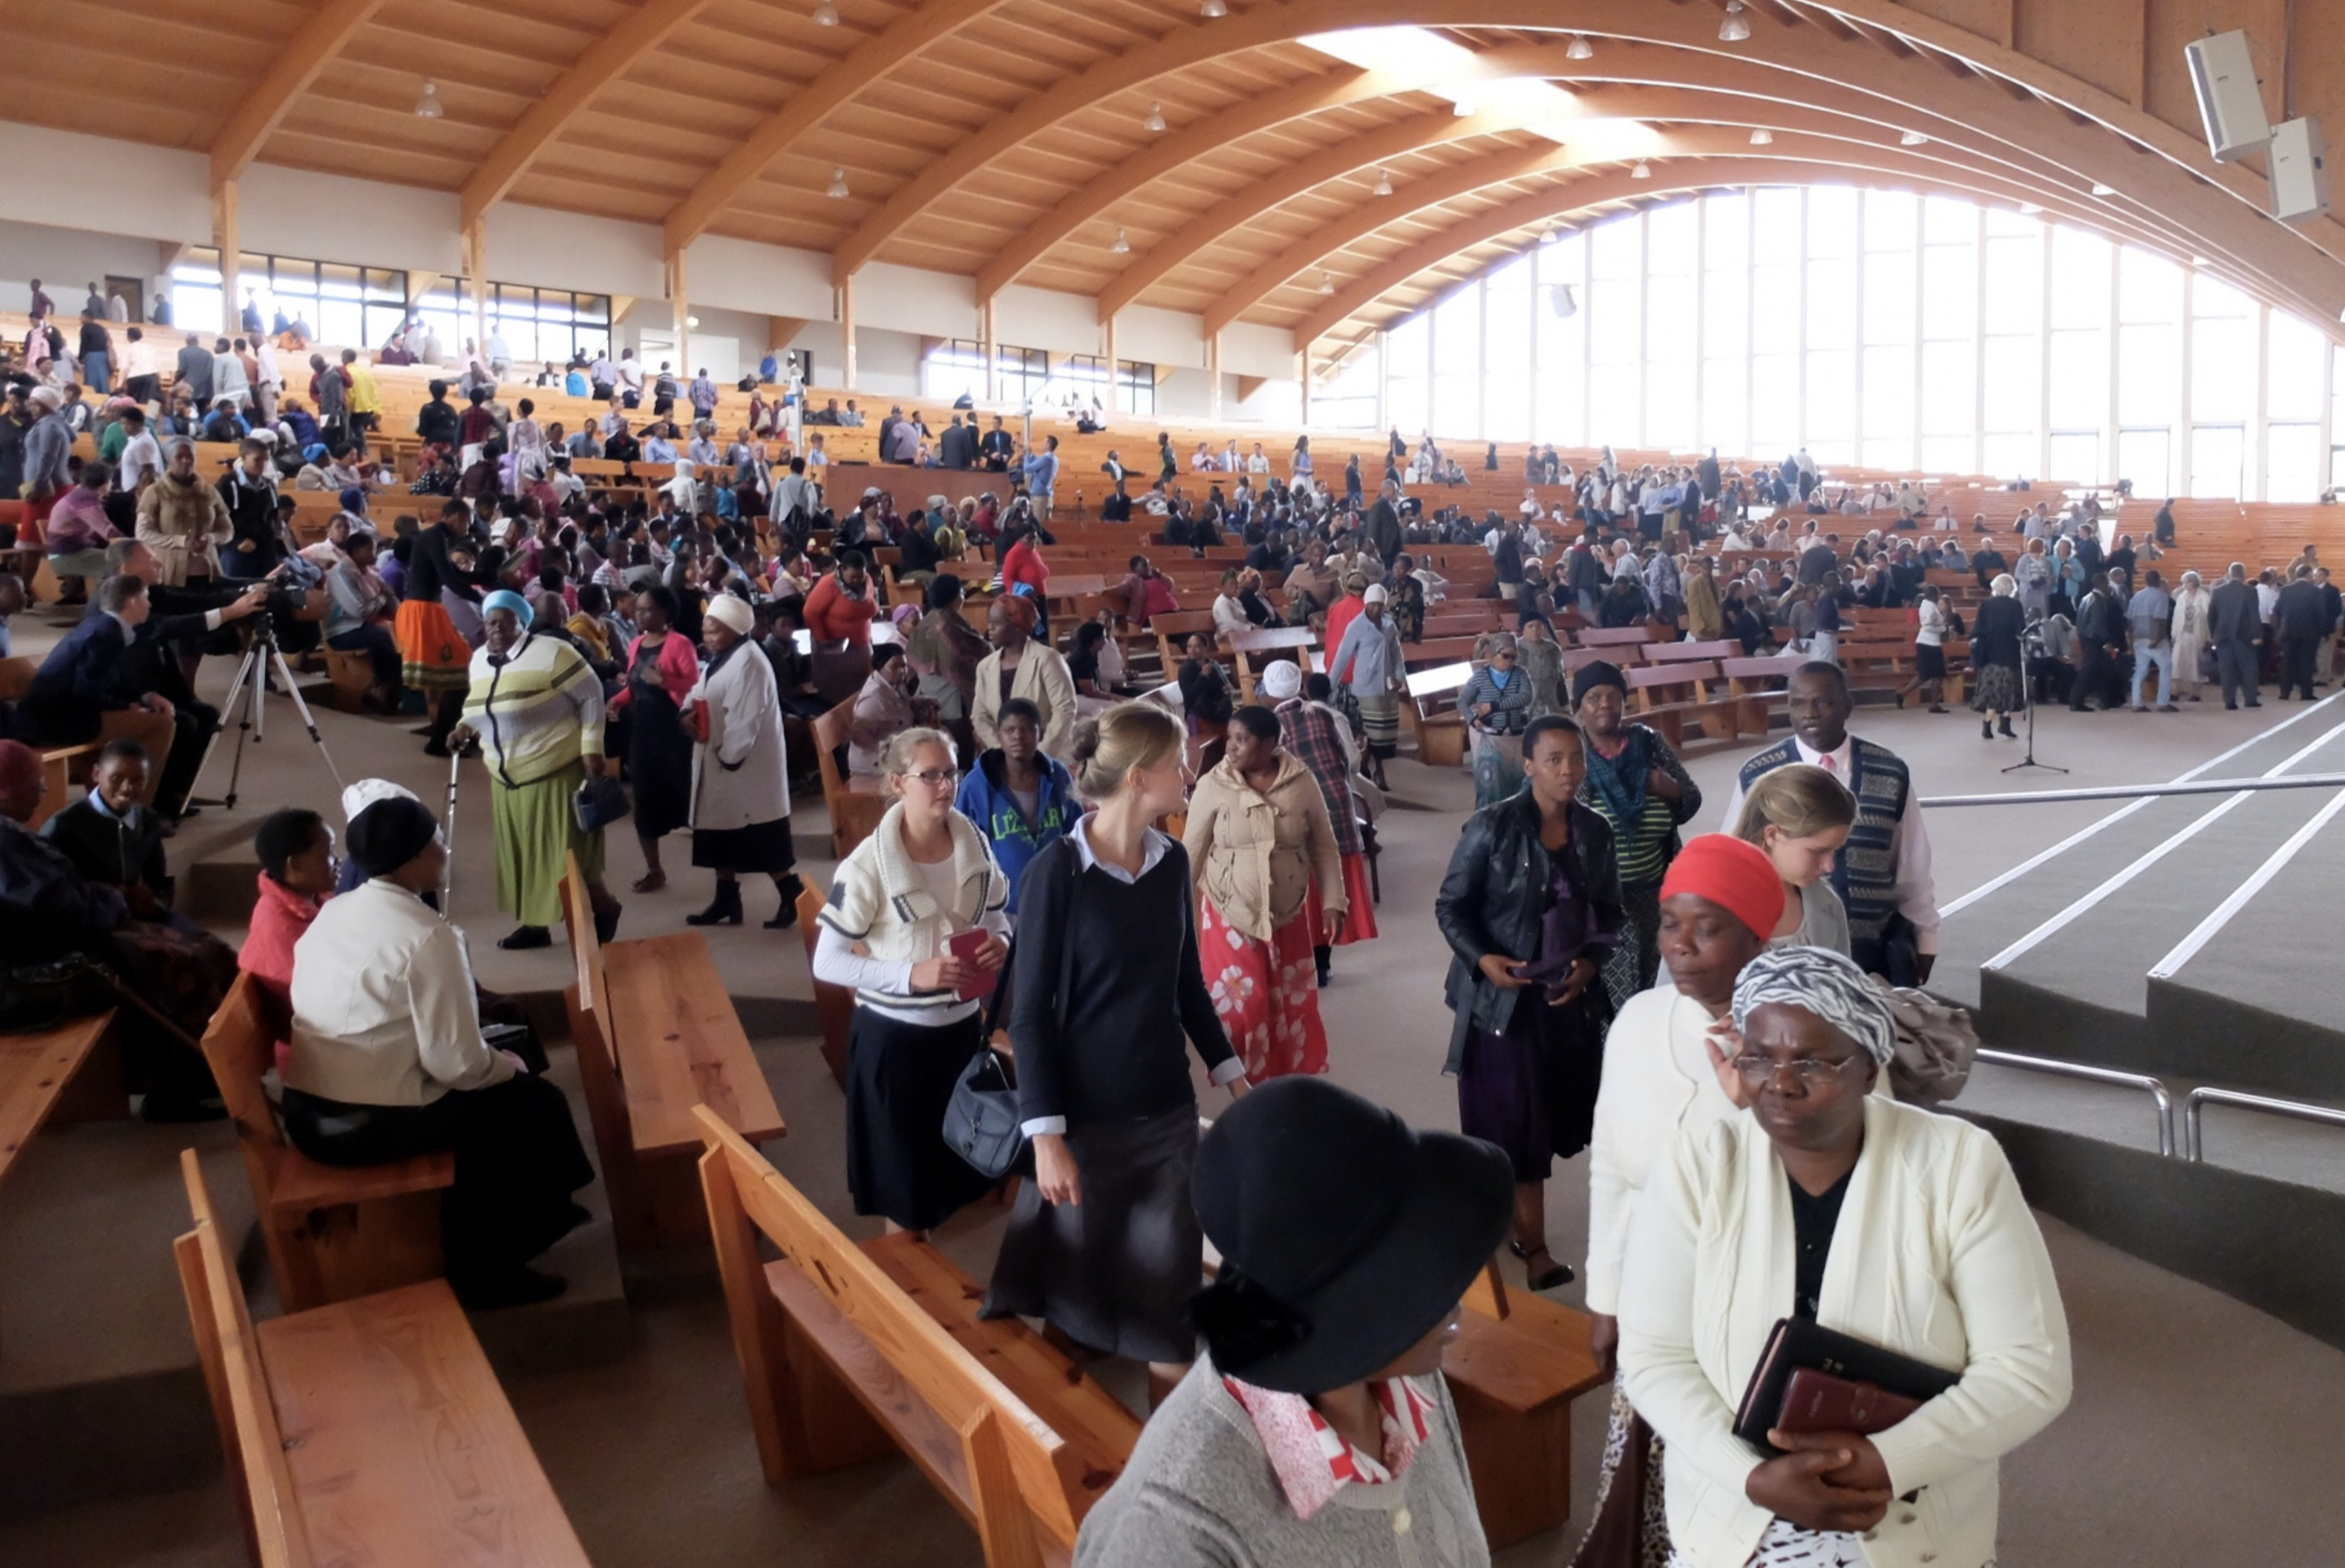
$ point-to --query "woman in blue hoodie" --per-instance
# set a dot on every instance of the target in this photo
(1019, 798)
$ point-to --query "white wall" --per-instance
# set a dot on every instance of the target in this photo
(1049, 319)
(324, 217)
(123, 188)
(63, 259)
(768, 279)
(887, 363)
(550, 250)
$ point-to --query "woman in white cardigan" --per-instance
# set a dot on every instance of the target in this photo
(740, 778)
(1885, 1222)
(1022, 666)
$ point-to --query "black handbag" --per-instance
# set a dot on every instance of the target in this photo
(983, 1123)
(599, 802)
(36, 997)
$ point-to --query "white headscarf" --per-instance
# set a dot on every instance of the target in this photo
(1827, 984)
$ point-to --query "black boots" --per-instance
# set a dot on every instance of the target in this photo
(2008, 732)
(725, 909)
(788, 915)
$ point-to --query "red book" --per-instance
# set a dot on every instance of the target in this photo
(965, 946)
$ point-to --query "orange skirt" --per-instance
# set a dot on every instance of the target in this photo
(432, 654)
(1359, 918)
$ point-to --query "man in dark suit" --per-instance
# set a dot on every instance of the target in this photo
(2100, 638)
(957, 447)
(2299, 617)
(1819, 559)
(194, 370)
(2235, 624)
(995, 448)
(1383, 527)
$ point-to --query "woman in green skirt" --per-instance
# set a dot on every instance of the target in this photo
(536, 708)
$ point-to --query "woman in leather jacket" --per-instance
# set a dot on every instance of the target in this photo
(1530, 907)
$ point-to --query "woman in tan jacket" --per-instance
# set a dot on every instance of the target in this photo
(1258, 836)
(1021, 665)
(182, 520)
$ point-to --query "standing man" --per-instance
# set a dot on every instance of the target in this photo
(957, 447)
(994, 449)
(1383, 527)
(97, 349)
(48, 451)
(2332, 611)
(195, 371)
(1883, 872)
(1041, 478)
(2235, 621)
(2150, 617)
(2298, 619)
(2100, 636)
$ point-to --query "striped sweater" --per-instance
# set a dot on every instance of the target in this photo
(537, 711)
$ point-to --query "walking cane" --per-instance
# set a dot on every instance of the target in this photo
(448, 828)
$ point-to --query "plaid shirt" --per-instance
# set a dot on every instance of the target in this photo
(1307, 729)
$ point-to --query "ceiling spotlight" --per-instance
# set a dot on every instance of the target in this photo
(838, 186)
(1121, 247)
(1155, 121)
(1559, 299)
(1736, 26)
(826, 15)
(1579, 49)
(1213, 10)
(2030, 209)
(428, 106)
(1326, 283)
(2100, 190)
(1642, 170)
(1912, 139)
(1383, 182)
(1762, 137)
(1554, 232)
(691, 323)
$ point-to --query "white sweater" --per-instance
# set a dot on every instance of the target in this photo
(1935, 1255)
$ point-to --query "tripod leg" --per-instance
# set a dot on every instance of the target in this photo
(308, 720)
(238, 692)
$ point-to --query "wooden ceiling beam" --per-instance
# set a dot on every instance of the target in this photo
(312, 48)
(610, 56)
(830, 90)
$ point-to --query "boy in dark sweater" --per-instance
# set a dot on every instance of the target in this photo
(111, 838)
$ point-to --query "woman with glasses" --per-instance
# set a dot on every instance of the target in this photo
(1530, 907)
(924, 877)
(1832, 1205)
(1497, 700)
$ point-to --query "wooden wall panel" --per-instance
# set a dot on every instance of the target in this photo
(1989, 19)
(2099, 42)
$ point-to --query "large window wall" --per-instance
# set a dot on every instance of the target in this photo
(1874, 327)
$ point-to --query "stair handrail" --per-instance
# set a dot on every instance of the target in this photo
(2196, 1101)
(2157, 1091)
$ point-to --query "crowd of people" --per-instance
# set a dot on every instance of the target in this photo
(1120, 877)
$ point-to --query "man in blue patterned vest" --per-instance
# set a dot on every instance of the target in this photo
(1883, 874)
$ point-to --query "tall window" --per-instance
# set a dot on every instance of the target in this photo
(1135, 387)
(1506, 351)
(2222, 387)
(1020, 374)
(954, 367)
(548, 325)
(1559, 368)
(346, 306)
(1346, 400)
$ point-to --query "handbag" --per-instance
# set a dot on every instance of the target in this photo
(983, 1124)
(37, 997)
(1935, 1043)
(599, 802)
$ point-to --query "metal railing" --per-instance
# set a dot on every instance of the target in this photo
(2156, 1090)
(2200, 1099)
(2137, 792)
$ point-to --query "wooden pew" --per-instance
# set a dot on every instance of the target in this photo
(370, 1430)
(1513, 1371)
(1175, 627)
(834, 1006)
(849, 1353)
(1757, 688)
(857, 801)
(35, 1070)
(61, 766)
(1432, 713)
(1262, 644)
(1667, 695)
(333, 1232)
(657, 1041)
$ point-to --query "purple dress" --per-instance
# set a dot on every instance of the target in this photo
(1530, 1088)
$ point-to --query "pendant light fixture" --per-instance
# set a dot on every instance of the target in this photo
(1155, 121)
(1642, 170)
(1912, 139)
(1214, 10)
(427, 107)
(1383, 182)
(1579, 49)
(1735, 27)
(838, 186)
(1326, 283)
(1121, 247)
(1762, 137)
(826, 15)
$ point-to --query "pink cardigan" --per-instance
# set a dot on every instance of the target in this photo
(679, 669)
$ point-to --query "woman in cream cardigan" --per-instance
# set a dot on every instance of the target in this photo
(1258, 836)
(1885, 1222)
(1022, 666)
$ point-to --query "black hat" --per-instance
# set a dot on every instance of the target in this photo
(1345, 1235)
(1593, 676)
(388, 834)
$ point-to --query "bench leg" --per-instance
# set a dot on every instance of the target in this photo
(1521, 1465)
(1005, 1525)
(97, 1090)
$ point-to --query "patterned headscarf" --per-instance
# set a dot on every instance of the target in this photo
(1825, 983)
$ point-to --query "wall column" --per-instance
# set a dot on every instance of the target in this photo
(989, 349)
(1306, 385)
(1213, 373)
(847, 328)
(679, 305)
(476, 279)
(1115, 376)
(227, 239)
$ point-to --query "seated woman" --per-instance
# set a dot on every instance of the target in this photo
(172, 979)
(883, 708)
(1832, 1205)
(388, 1062)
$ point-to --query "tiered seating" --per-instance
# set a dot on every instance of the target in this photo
(372, 1429)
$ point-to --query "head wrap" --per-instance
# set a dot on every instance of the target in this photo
(366, 792)
(731, 612)
(1735, 875)
(353, 498)
(1594, 674)
(506, 599)
(1282, 681)
(388, 834)
(1827, 984)
(1021, 611)
(1375, 596)
(20, 767)
(47, 395)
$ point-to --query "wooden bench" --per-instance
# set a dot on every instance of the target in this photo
(36, 1071)
(1667, 695)
(1263, 643)
(657, 1041)
(1432, 713)
(856, 802)
(1174, 628)
(1757, 687)
(834, 1006)
(333, 1232)
(61, 766)
(369, 1430)
(849, 1353)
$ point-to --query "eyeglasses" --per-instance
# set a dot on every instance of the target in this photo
(1813, 1072)
(932, 777)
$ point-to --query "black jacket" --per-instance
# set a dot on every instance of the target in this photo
(957, 447)
(110, 851)
(2300, 612)
(1494, 896)
(2233, 614)
(1996, 634)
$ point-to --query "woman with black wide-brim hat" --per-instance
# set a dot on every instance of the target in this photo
(1315, 1431)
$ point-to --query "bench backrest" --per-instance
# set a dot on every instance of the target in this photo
(1670, 652)
(1685, 673)
(241, 1403)
(1613, 636)
(240, 1044)
(1019, 1470)
(1441, 678)
(17, 678)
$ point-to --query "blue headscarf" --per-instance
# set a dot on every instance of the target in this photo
(506, 599)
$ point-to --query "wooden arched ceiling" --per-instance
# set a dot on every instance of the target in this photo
(1002, 139)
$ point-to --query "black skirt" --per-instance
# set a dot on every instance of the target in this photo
(760, 847)
(659, 761)
(1930, 660)
(899, 1079)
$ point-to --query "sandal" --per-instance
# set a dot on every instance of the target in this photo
(1548, 1279)
(649, 882)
